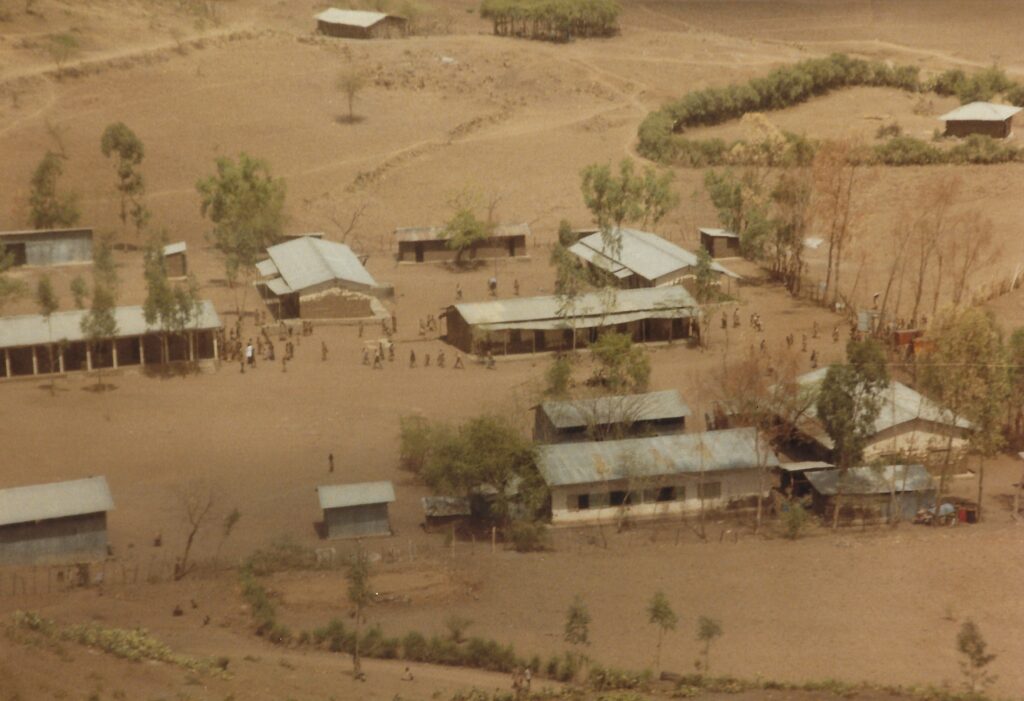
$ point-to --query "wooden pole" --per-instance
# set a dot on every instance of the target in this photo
(494, 539)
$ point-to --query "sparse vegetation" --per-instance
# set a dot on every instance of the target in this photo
(50, 209)
(120, 141)
(350, 83)
(972, 646)
(554, 20)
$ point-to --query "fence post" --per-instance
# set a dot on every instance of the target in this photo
(494, 539)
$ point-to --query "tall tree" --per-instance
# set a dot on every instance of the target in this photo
(10, 289)
(46, 300)
(50, 209)
(464, 231)
(79, 291)
(100, 325)
(360, 595)
(932, 229)
(792, 199)
(741, 201)
(626, 197)
(848, 403)
(350, 83)
(245, 203)
(121, 142)
(660, 614)
(835, 174)
(965, 372)
(708, 630)
(174, 308)
(704, 277)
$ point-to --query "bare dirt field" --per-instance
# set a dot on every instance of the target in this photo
(444, 114)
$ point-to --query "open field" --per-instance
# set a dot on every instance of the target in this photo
(516, 120)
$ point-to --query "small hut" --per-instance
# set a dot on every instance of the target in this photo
(720, 243)
(61, 521)
(873, 494)
(440, 512)
(175, 259)
(986, 118)
(359, 24)
(356, 510)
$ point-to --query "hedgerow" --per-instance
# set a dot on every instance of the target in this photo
(557, 20)
(661, 134)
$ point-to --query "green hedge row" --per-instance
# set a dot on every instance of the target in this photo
(660, 134)
(558, 20)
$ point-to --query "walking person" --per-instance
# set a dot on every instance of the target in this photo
(440, 358)
(330, 462)
(412, 358)
(250, 355)
(323, 351)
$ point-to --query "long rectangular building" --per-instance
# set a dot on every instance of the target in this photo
(47, 246)
(26, 341)
(424, 244)
(653, 477)
(532, 324)
(54, 522)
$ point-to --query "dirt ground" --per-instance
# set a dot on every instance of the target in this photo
(443, 115)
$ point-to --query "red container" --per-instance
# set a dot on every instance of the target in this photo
(961, 515)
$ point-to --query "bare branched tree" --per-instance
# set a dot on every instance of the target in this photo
(196, 503)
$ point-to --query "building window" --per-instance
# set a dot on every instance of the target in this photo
(582, 501)
(671, 493)
(620, 497)
(709, 490)
(598, 500)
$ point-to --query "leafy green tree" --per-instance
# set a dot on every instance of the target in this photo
(848, 403)
(464, 231)
(10, 289)
(660, 614)
(966, 373)
(1015, 361)
(577, 629)
(350, 83)
(626, 197)
(120, 141)
(623, 366)
(79, 291)
(791, 198)
(62, 48)
(741, 202)
(245, 203)
(486, 452)
(708, 630)
(704, 277)
(559, 377)
(971, 644)
(360, 595)
(50, 209)
(174, 308)
(100, 325)
(46, 300)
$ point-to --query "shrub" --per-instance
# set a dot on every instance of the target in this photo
(794, 519)
(282, 554)
(906, 151)
(528, 536)
(984, 150)
(414, 647)
(888, 130)
(605, 678)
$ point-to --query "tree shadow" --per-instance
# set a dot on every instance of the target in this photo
(47, 387)
(98, 387)
(349, 119)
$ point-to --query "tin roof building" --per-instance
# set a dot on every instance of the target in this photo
(641, 259)
(360, 24)
(986, 118)
(47, 246)
(309, 277)
(599, 418)
(54, 522)
(533, 324)
(356, 510)
(652, 477)
(426, 244)
(873, 493)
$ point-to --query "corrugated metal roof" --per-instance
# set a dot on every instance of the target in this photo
(805, 466)
(643, 253)
(307, 261)
(980, 112)
(436, 233)
(713, 451)
(32, 329)
(720, 233)
(900, 404)
(278, 287)
(266, 268)
(39, 502)
(873, 480)
(355, 18)
(29, 233)
(446, 506)
(172, 248)
(666, 300)
(336, 496)
(652, 406)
